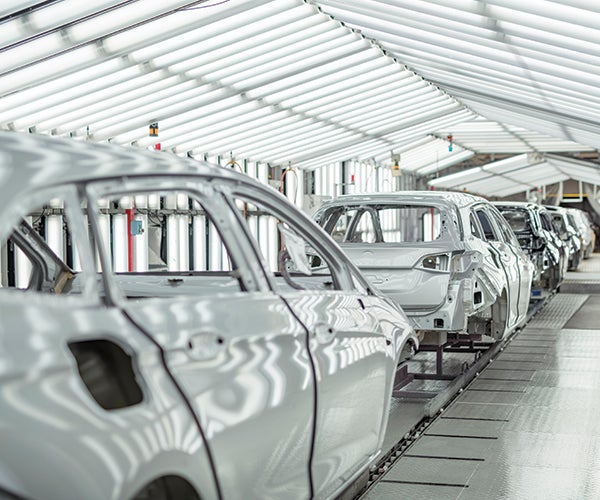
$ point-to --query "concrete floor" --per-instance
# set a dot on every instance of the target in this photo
(528, 427)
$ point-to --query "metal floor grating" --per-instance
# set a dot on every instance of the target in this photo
(556, 314)
(526, 428)
(591, 265)
(586, 280)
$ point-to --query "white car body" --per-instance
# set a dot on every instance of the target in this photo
(222, 379)
(588, 237)
(449, 259)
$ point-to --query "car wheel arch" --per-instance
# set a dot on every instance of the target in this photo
(499, 320)
(407, 350)
(168, 487)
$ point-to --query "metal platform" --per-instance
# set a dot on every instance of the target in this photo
(526, 427)
(586, 279)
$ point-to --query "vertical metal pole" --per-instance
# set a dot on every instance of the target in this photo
(264, 231)
(130, 249)
(172, 234)
(120, 238)
(215, 257)
(184, 234)
(104, 225)
(3, 265)
(252, 220)
(22, 265)
(199, 240)
(140, 244)
(54, 229)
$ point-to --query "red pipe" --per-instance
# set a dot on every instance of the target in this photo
(130, 264)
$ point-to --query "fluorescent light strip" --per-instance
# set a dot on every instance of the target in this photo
(387, 79)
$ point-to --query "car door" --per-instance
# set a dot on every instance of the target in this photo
(556, 248)
(88, 410)
(351, 350)
(524, 267)
(504, 259)
(233, 347)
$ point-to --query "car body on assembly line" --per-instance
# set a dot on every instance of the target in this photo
(563, 223)
(449, 259)
(583, 225)
(151, 348)
(532, 225)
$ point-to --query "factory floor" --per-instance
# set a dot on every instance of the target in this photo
(528, 426)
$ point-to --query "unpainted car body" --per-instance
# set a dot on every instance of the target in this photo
(584, 226)
(449, 259)
(555, 241)
(241, 383)
(533, 227)
(563, 223)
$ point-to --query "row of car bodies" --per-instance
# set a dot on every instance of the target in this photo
(537, 235)
(457, 263)
(450, 259)
(580, 221)
(566, 228)
(216, 369)
(557, 239)
(225, 379)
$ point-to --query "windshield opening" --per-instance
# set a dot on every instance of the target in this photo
(384, 224)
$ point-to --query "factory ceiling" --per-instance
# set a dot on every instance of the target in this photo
(310, 83)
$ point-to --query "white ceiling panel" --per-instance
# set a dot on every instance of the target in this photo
(519, 173)
(277, 82)
(527, 64)
(313, 82)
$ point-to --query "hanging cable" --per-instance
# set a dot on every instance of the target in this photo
(232, 163)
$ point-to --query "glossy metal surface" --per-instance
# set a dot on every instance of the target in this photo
(538, 238)
(249, 381)
(480, 273)
(57, 442)
(275, 390)
(569, 235)
(584, 227)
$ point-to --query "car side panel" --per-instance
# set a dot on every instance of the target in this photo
(250, 383)
(354, 360)
(57, 441)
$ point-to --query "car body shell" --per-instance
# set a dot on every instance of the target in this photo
(259, 391)
(533, 227)
(479, 272)
(584, 227)
(564, 225)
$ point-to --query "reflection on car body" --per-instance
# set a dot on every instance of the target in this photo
(532, 225)
(583, 225)
(198, 370)
(563, 223)
(449, 259)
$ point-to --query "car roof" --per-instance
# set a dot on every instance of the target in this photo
(448, 198)
(520, 204)
(33, 161)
